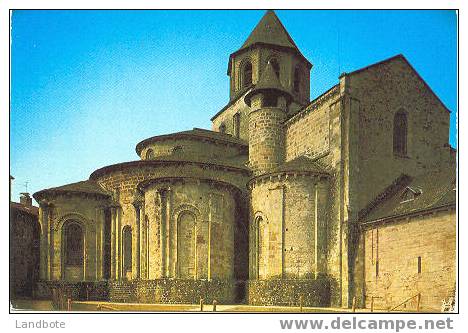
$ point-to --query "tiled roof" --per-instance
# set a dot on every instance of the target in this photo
(303, 164)
(86, 186)
(430, 190)
(197, 133)
(270, 30)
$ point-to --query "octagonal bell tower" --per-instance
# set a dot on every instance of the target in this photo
(270, 43)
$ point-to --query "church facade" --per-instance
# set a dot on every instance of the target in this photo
(346, 198)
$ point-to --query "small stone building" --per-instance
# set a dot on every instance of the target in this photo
(283, 199)
(24, 247)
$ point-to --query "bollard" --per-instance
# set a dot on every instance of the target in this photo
(214, 305)
(354, 304)
(300, 303)
(201, 304)
(372, 304)
(69, 304)
(418, 304)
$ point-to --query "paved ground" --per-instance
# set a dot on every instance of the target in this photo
(40, 305)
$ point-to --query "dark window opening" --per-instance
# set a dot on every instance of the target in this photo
(376, 268)
(274, 63)
(400, 134)
(74, 245)
(270, 101)
(247, 75)
(419, 265)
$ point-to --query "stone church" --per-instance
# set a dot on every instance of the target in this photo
(350, 197)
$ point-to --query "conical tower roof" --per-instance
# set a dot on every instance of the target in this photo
(269, 32)
(268, 81)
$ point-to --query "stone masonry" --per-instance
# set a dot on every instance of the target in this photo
(282, 200)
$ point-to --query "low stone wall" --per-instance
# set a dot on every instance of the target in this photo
(314, 292)
(173, 291)
(78, 291)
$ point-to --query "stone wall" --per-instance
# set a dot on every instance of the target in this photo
(314, 292)
(77, 291)
(377, 94)
(288, 227)
(61, 209)
(227, 118)
(309, 132)
(395, 248)
(176, 291)
(266, 137)
(191, 229)
(24, 252)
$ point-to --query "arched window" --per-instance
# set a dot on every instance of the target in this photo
(274, 63)
(73, 244)
(247, 75)
(400, 134)
(127, 248)
(222, 128)
(149, 154)
(297, 79)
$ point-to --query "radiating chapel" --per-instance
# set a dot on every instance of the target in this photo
(346, 198)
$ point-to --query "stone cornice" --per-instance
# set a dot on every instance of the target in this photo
(190, 136)
(158, 163)
(284, 175)
(143, 186)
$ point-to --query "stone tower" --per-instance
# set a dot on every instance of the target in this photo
(270, 43)
(268, 103)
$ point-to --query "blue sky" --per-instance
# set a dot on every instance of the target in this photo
(87, 86)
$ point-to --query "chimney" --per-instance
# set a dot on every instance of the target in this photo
(25, 199)
(11, 188)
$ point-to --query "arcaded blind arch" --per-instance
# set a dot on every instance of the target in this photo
(247, 74)
(186, 245)
(400, 134)
(127, 248)
(74, 249)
